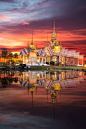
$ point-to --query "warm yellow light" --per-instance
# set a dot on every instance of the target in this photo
(55, 59)
(85, 65)
(46, 87)
(57, 86)
(32, 88)
(37, 60)
(36, 85)
(57, 49)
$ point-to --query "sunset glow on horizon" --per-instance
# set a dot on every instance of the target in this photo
(18, 18)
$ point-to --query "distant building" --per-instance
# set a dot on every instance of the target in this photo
(54, 52)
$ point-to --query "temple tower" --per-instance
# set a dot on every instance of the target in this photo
(54, 41)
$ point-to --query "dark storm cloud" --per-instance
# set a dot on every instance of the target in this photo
(74, 22)
(62, 24)
(47, 24)
(73, 18)
(7, 0)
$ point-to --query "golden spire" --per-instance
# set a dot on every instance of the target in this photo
(54, 26)
(47, 40)
(32, 38)
(28, 46)
(28, 42)
(47, 96)
(32, 97)
(36, 45)
(60, 40)
(57, 38)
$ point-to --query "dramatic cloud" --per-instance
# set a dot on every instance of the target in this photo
(19, 17)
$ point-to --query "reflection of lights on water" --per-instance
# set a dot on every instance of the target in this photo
(38, 75)
(32, 76)
(80, 73)
(38, 60)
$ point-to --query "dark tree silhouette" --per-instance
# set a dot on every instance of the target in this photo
(15, 55)
(4, 53)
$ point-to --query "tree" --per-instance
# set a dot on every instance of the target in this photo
(4, 53)
(15, 55)
(52, 62)
(0, 57)
(10, 56)
(16, 79)
(85, 62)
(47, 62)
(58, 64)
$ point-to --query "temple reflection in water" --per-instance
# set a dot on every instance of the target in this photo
(53, 82)
(57, 80)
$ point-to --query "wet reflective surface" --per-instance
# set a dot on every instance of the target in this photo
(36, 99)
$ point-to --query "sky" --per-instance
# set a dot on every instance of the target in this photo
(19, 17)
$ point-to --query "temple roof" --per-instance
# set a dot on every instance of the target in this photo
(22, 52)
(25, 50)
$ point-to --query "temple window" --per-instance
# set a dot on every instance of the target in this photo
(55, 59)
(37, 60)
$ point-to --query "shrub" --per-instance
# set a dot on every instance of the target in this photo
(58, 64)
(85, 61)
(52, 62)
(47, 62)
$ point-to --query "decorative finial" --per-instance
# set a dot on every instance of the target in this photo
(28, 46)
(57, 39)
(60, 40)
(36, 44)
(47, 39)
(54, 25)
(28, 42)
(32, 38)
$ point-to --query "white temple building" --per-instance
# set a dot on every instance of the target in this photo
(53, 53)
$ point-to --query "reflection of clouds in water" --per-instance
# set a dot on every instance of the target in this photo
(10, 92)
(45, 84)
(4, 117)
(23, 120)
(16, 98)
(25, 112)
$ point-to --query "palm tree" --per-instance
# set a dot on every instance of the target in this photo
(4, 53)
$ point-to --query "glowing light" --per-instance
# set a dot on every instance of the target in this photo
(85, 65)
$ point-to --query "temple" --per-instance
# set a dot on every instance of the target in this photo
(53, 53)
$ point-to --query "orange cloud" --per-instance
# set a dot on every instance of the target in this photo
(25, 23)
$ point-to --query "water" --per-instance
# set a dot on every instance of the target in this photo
(43, 100)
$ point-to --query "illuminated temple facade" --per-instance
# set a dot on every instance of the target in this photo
(54, 52)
